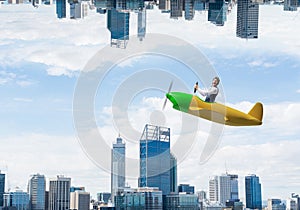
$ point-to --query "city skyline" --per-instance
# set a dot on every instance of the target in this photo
(34, 75)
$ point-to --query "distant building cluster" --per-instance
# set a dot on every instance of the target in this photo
(157, 186)
(60, 196)
(118, 13)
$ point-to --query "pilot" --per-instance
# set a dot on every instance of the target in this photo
(212, 92)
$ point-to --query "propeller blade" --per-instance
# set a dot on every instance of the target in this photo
(170, 87)
(165, 102)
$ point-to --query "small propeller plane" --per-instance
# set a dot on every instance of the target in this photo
(215, 112)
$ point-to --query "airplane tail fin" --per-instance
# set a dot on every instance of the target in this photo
(257, 111)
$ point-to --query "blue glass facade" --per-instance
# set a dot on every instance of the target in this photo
(37, 188)
(2, 188)
(118, 25)
(18, 199)
(155, 158)
(253, 192)
(181, 201)
(189, 11)
(141, 24)
(217, 12)
(186, 188)
(61, 8)
(117, 166)
(173, 174)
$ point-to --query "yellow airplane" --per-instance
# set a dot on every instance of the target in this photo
(215, 112)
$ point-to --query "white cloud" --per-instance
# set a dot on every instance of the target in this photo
(23, 99)
(24, 83)
(262, 63)
(27, 154)
(42, 38)
(6, 77)
(67, 45)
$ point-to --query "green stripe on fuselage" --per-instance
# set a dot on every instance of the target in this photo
(181, 101)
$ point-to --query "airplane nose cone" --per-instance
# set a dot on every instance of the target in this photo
(180, 101)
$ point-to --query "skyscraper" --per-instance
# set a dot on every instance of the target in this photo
(189, 11)
(36, 190)
(117, 167)
(253, 192)
(223, 188)
(234, 187)
(155, 158)
(247, 19)
(61, 8)
(59, 193)
(141, 24)
(2, 187)
(118, 25)
(164, 5)
(290, 5)
(213, 189)
(173, 174)
(217, 12)
(176, 9)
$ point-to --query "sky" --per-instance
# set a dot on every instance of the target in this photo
(42, 60)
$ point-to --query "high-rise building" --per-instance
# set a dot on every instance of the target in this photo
(79, 200)
(155, 158)
(176, 9)
(290, 5)
(117, 166)
(213, 189)
(78, 9)
(234, 187)
(173, 174)
(276, 204)
(36, 190)
(17, 199)
(164, 5)
(59, 193)
(46, 200)
(118, 25)
(291, 204)
(200, 5)
(141, 24)
(217, 10)
(247, 19)
(189, 11)
(223, 188)
(253, 192)
(61, 8)
(2, 187)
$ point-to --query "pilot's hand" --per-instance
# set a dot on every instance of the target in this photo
(195, 88)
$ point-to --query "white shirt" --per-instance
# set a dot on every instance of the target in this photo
(211, 93)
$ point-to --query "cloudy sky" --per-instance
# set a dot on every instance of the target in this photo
(42, 59)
